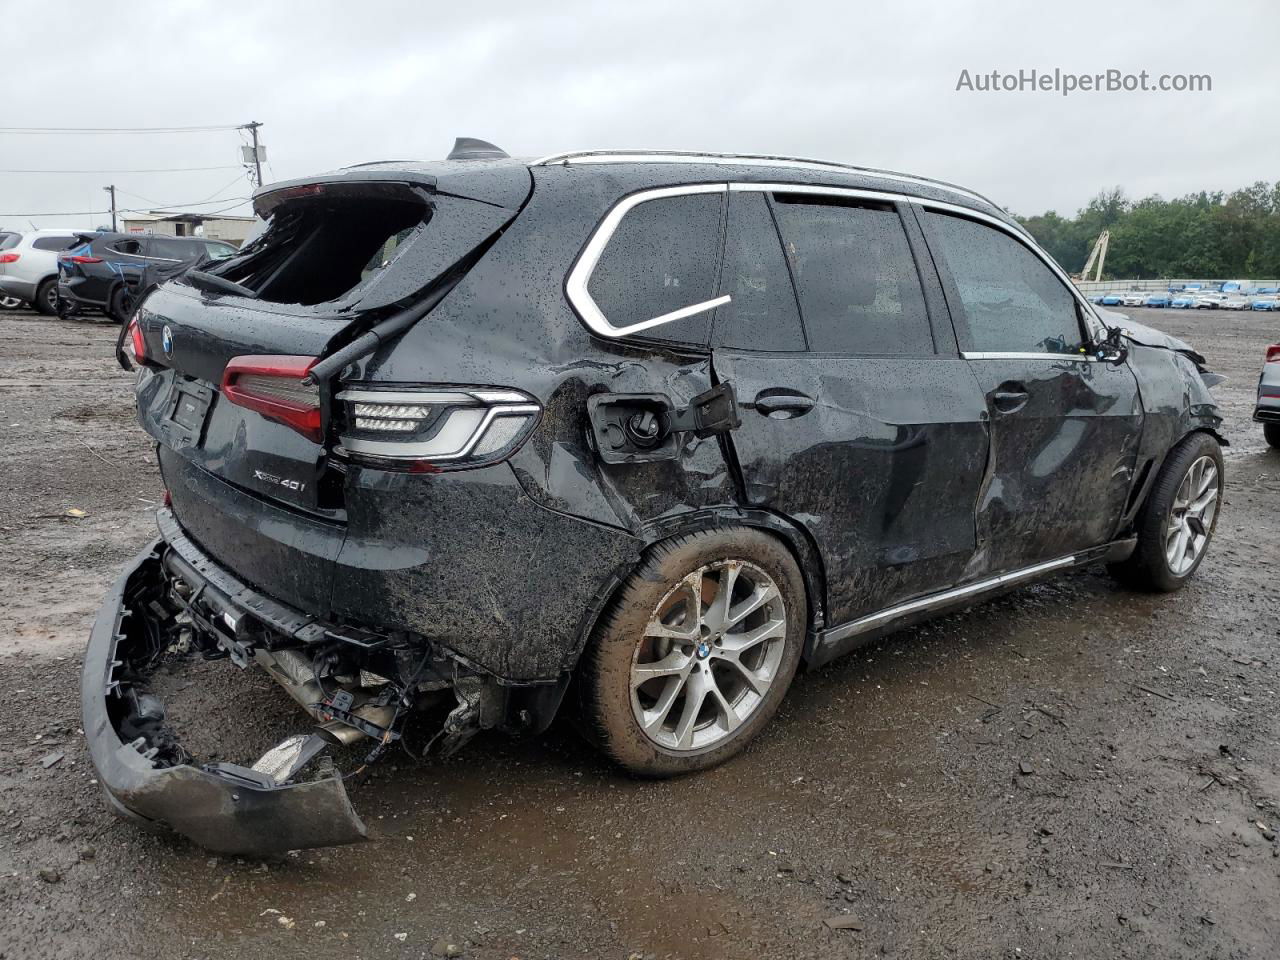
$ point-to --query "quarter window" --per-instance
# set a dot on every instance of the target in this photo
(761, 313)
(1013, 302)
(133, 247)
(661, 258)
(54, 243)
(857, 281)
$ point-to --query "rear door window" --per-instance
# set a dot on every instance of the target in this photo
(661, 259)
(1012, 301)
(131, 247)
(761, 313)
(859, 290)
(176, 248)
(54, 243)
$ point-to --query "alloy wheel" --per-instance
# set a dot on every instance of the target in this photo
(1191, 517)
(709, 656)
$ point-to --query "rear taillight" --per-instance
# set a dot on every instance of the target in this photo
(137, 341)
(435, 429)
(1273, 353)
(80, 258)
(275, 387)
(10, 257)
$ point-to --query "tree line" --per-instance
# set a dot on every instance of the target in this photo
(1212, 235)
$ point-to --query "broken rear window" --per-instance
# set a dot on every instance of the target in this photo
(317, 249)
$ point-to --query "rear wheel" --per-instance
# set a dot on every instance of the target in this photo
(1272, 432)
(1177, 522)
(696, 652)
(120, 304)
(46, 300)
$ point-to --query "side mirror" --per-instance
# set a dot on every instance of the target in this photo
(1111, 348)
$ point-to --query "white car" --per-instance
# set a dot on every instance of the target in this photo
(29, 265)
(1211, 301)
(1134, 298)
(1235, 303)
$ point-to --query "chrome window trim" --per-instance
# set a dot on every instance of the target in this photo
(855, 193)
(871, 621)
(745, 160)
(1096, 327)
(580, 275)
(1015, 355)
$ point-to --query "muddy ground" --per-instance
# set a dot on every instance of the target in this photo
(890, 789)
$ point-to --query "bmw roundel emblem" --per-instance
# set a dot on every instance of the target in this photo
(166, 340)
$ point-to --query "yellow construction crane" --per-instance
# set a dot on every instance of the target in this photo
(1098, 253)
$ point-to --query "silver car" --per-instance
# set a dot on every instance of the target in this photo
(1267, 412)
(29, 265)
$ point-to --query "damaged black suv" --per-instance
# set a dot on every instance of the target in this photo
(450, 439)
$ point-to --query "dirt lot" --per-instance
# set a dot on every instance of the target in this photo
(1073, 770)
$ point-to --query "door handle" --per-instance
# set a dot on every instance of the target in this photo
(1009, 397)
(783, 406)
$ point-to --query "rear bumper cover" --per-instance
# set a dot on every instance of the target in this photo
(226, 809)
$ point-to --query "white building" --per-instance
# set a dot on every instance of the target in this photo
(169, 223)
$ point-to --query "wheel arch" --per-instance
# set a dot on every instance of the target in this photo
(797, 541)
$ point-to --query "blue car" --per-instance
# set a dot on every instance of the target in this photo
(1156, 300)
(1112, 300)
(1270, 291)
(1183, 302)
(1271, 304)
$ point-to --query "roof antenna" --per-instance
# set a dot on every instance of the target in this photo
(469, 148)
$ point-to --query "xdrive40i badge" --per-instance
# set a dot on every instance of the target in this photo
(296, 485)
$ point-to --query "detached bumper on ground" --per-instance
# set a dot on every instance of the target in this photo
(224, 807)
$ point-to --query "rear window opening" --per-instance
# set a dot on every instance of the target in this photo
(317, 248)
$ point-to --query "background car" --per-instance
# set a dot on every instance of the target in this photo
(1235, 303)
(1183, 301)
(103, 271)
(1112, 299)
(1210, 301)
(1265, 303)
(1134, 298)
(1267, 410)
(29, 265)
(1157, 300)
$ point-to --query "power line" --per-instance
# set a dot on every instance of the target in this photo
(128, 130)
(225, 166)
(93, 213)
(209, 199)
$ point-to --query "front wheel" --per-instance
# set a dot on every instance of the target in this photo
(1177, 521)
(1272, 433)
(696, 651)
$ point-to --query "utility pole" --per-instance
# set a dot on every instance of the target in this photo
(252, 127)
(112, 190)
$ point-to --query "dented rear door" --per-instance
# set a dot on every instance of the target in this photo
(856, 425)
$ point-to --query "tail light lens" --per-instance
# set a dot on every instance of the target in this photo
(436, 429)
(10, 257)
(81, 258)
(137, 341)
(1273, 353)
(274, 387)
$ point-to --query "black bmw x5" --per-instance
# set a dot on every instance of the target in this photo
(452, 439)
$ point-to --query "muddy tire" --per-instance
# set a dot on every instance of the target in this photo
(696, 651)
(1272, 433)
(1176, 524)
(46, 300)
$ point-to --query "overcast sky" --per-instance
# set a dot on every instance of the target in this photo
(336, 83)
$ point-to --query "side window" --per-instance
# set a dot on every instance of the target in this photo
(53, 243)
(1013, 303)
(761, 313)
(132, 247)
(857, 281)
(661, 259)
